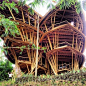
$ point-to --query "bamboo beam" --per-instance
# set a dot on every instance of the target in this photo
(53, 42)
(76, 43)
(52, 66)
(52, 26)
(30, 37)
(26, 36)
(79, 45)
(41, 61)
(73, 41)
(54, 19)
(27, 68)
(33, 65)
(28, 18)
(21, 35)
(57, 60)
(23, 15)
(55, 63)
(51, 20)
(46, 28)
(49, 42)
(55, 39)
(35, 21)
(29, 56)
(72, 60)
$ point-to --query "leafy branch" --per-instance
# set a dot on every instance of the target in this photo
(10, 27)
(63, 4)
(10, 6)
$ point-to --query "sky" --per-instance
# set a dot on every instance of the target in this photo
(43, 10)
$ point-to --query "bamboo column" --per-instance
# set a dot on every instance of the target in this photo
(57, 61)
(23, 15)
(76, 43)
(27, 68)
(35, 21)
(72, 60)
(46, 28)
(73, 41)
(49, 42)
(17, 68)
(28, 18)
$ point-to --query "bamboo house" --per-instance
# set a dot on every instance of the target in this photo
(61, 32)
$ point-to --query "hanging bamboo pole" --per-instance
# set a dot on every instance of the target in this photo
(37, 47)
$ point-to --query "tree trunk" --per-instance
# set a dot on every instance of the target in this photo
(37, 47)
(11, 13)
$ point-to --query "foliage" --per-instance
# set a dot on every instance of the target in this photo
(5, 67)
(68, 78)
(11, 5)
(21, 2)
(71, 78)
(9, 26)
(63, 4)
(34, 4)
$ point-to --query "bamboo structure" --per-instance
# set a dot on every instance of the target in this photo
(61, 32)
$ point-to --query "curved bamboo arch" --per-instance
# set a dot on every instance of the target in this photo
(57, 16)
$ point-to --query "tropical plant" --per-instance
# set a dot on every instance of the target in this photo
(10, 6)
(5, 67)
(10, 27)
(63, 4)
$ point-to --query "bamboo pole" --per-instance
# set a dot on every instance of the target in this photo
(73, 41)
(46, 28)
(49, 42)
(11, 13)
(76, 42)
(37, 47)
(28, 18)
(55, 39)
(72, 60)
(35, 21)
(27, 68)
(53, 42)
(22, 15)
(57, 61)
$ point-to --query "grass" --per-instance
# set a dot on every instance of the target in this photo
(72, 78)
